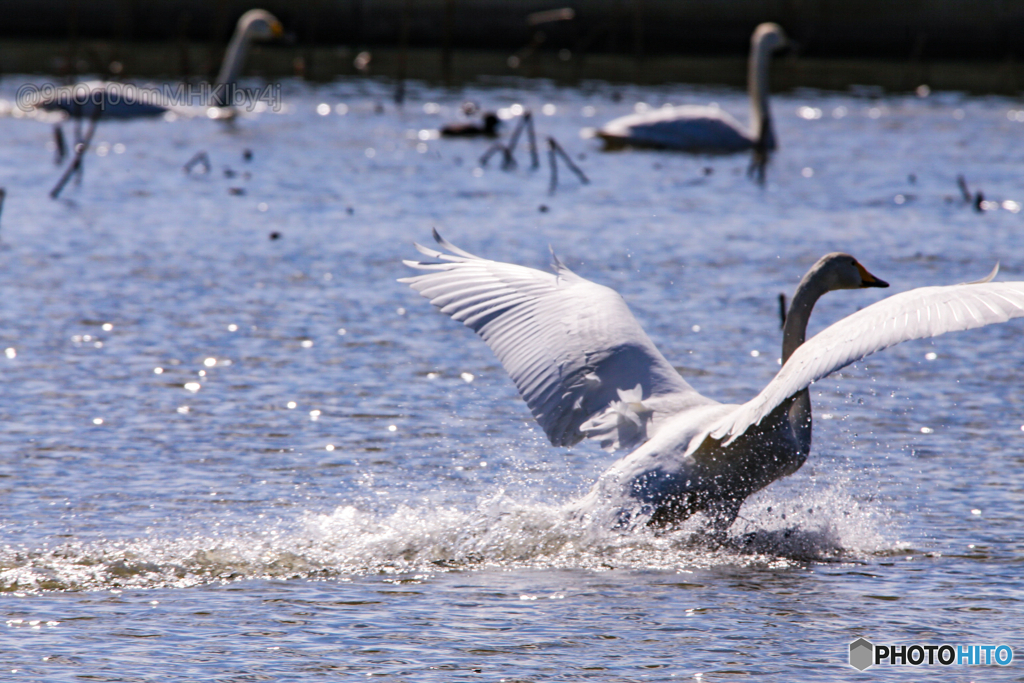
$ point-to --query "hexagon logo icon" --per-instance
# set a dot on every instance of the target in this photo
(862, 654)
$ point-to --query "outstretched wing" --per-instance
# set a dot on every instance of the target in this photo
(919, 313)
(572, 347)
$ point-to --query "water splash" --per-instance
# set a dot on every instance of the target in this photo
(825, 525)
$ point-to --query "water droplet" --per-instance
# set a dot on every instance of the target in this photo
(10, 352)
(307, 343)
(931, 355)
(210, 362)
(329, 447)
(107, 327)
(97, 420)
(392, 428)
(193, 386)
(467, 377)
(927, 430)
(291, 405)
(158, 371)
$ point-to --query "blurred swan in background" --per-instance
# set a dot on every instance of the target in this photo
(126, 101)
(695, 128)
(586, 369)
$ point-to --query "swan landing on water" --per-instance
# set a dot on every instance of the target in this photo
(586, 369)
(694, 128)
(115, 99)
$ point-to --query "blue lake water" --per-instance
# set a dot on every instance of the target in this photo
(230, 458)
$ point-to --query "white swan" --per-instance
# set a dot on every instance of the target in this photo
(694, 128)
(586, 369)
(126, 101)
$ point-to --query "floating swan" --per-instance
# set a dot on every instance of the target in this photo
(694, 128)
(586, 369)
(127, 101)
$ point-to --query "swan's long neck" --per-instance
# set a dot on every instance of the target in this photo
(234, 57)
(757, 85)
(794, 332)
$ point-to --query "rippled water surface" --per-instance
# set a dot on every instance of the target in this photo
(229, 457)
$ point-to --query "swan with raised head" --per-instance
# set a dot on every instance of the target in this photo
(705, 129)
(125, 101)
(586, 369)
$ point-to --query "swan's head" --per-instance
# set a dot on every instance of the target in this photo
(769, 37)
(260, 25)
(842, 271)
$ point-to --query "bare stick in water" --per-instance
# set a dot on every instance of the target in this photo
(534, 157)
(961, 182)
(62, 148)
(782, 310)
(553, 162)
(568, 160)
(510, 161)
(199, 158)
(3, 196)
(80, 149)
(496, 147)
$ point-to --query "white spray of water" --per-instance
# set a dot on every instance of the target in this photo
(819, 524)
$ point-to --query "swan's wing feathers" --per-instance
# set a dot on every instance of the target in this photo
(919, 313)
(682, 127)
(568, 344)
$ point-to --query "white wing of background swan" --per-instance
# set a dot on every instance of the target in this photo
(572, 347)
(919, 313)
